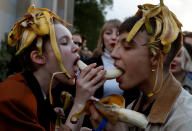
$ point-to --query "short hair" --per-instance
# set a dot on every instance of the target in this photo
(128, 24)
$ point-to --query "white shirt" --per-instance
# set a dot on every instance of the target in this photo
(110, 86)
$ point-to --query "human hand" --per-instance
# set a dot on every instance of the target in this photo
(98, 121)
(89, 81)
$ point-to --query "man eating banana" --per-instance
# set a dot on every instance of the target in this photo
(147, 44)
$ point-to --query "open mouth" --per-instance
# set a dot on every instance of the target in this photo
(173, 66)
(113, 45)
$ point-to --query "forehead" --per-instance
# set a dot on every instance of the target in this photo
(112, 27)
(76, 37)
(140, 38)
(61, 31)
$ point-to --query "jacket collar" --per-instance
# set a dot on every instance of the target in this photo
(164, 101)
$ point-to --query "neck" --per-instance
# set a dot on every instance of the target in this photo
(44, 79)
(149, 86)
(180, 76)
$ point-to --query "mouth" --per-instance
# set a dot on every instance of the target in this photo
(113, 44)
(118, 79)
(75, 67)
(173, 66)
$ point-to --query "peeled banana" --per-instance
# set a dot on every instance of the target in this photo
(113, 109)
(110, 74)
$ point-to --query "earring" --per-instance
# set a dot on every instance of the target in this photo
(153, 69)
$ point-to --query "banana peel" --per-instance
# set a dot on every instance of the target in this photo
(167, 32)
(113, 109)
(36, 23)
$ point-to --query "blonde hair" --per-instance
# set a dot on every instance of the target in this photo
(100, 45)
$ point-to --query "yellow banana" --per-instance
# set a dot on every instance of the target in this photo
(28, 37)
(65, 99)
(170, 28)
(42, 27)
(39, 45)
(54, 42)
(135, 29)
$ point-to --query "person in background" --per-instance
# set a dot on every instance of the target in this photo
(77, 39)
(101, 55)
(180, 65)
(187, 42)
(145, 59)
(48, 56)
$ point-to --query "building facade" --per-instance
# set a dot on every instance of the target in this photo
(13, 10)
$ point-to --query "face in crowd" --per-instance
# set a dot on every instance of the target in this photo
(110, 37)
(133, 59)
(69, 54)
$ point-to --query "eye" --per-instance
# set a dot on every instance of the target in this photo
(64, 42)
(108, 32)
(127, 47)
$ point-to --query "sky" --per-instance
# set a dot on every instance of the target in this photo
(125, 8)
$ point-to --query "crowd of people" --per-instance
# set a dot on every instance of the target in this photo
(156, 79)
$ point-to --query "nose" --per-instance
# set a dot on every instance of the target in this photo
(115, 53)
(75, 48)
(114, 36)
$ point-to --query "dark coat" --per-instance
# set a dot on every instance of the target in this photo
(22, 106)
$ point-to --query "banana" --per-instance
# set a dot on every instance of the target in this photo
(65, 99)
(135, 29)
(110, 74)
(54, 42)
(42, 28)
(116, 113)
(170, 28)
(113, 109)
(39, 45)
(167, 25)
(28, 37)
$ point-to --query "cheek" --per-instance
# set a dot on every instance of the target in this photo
(67, 58)
(137, 66)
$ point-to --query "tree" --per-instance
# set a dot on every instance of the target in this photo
(89, 18)
(6, 54)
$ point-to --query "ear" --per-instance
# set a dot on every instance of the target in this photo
(155, 59)
(36, 58)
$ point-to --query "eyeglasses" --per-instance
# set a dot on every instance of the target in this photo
(78, 43)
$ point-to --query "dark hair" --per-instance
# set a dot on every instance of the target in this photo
(187, 45)
(128, 24)
(24, 56)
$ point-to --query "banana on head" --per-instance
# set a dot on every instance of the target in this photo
(167, 26)
(36, 23)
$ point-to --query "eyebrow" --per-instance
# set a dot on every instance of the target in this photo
(64, 37)
(123, 41)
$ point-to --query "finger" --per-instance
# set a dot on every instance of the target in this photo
(98, 85)
(99, 77)
(95, 116)
(85, 71)
(93, 73)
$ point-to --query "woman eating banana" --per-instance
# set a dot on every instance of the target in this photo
(148, 42)
(48, 56)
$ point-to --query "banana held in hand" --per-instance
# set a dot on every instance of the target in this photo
(113, 109)
(110, 74)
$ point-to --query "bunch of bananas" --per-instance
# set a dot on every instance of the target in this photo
(35, 24)
(167, 25)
